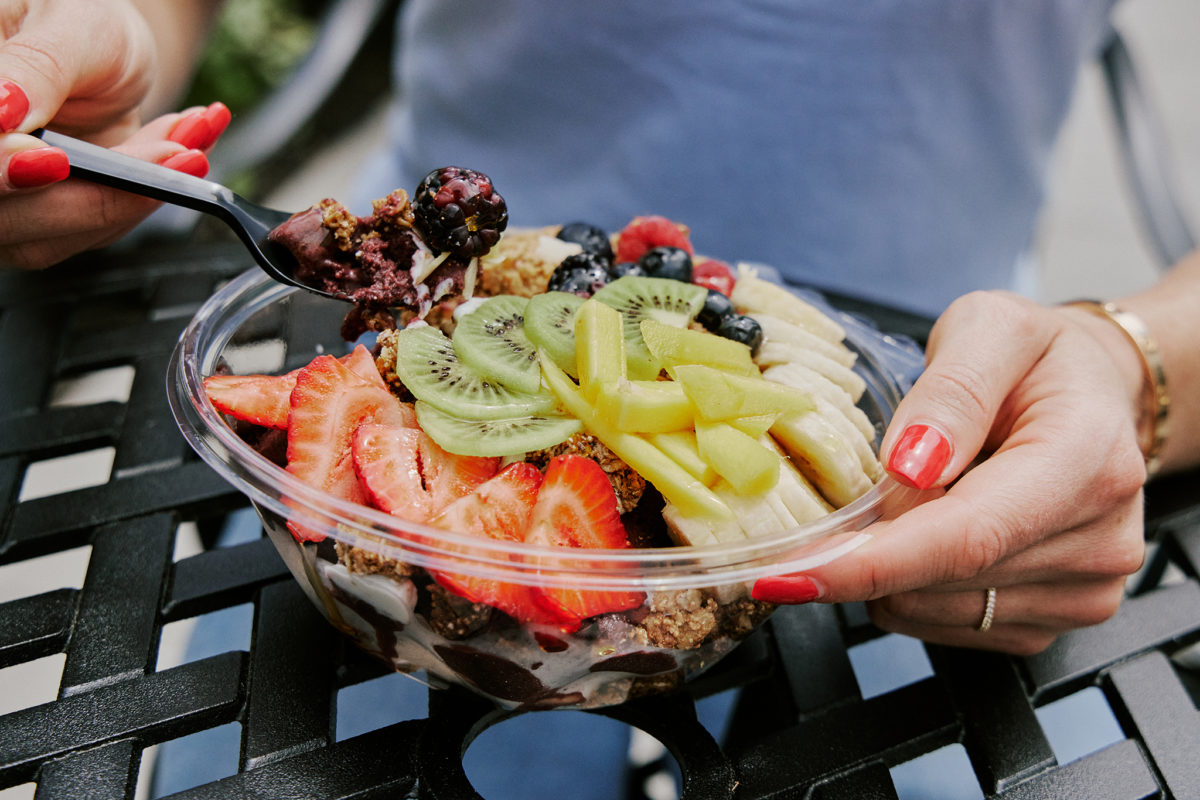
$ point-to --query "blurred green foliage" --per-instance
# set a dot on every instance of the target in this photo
(253, 46)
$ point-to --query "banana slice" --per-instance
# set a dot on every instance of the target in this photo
(803, 501)
(772, 353)
(779, 330)
(852, 436)
(817, 385)
(753, 294)
(698, 531)
(823, 456)
(758, 515)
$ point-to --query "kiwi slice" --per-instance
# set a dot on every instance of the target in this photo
(428, 365)
(668, 301)
(550, 324)
(494, 437)
(492, 341)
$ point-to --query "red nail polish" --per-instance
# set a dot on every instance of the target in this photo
(38, 167)
(193, 131)
(218, 117)
(14, 105)
(785, 589)
(193, 162)
(920, 456)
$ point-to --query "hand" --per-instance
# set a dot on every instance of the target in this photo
(1028, 415)
(81, 67)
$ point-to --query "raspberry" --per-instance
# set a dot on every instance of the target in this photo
(647, 232)
(458, 210)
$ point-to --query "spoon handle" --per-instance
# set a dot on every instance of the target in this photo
(119, 171)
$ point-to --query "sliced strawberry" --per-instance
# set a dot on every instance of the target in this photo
(449, 476)
(266, 399)
(362, 363)
(259, 399)
(644, 233)
(388, 464)
(713, 274)
(576, 507)
(498, 508)
(328, 403)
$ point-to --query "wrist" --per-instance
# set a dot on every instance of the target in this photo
(1131, 345)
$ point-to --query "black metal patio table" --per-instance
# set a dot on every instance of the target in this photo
(802, 727)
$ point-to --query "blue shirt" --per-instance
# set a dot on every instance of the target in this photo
(893, 149)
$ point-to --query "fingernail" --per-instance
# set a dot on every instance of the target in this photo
(192, 131)
(785, 589)
(920, 456)
(219, 117)
(193, 162)
(201, 129)
(41, 166)
(14, 105)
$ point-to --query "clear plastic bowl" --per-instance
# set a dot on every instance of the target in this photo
(370, 579)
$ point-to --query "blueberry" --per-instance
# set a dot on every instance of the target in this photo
(741, 328)
(582, 274)
(626, 268)
(667, 262)
(591, 238)
(716, 308)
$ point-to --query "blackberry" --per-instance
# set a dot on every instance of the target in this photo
(582, 274)
(741, 328)
(717, 308)
(458, 210)
(589, 237)
(667, 262)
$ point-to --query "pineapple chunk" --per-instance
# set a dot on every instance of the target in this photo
(721, 396)
(676, 484)
(756, 425)
(673, 346)
(682, 448)
(746, 465)
(599, 347)
(645, 406)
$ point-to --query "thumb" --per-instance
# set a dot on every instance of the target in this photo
(83, 65)
(979, 350)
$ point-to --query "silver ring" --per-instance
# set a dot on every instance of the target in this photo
(989, 611)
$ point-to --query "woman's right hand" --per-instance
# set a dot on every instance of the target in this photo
(81, 67)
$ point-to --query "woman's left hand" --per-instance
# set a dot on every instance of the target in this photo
(1029, 416)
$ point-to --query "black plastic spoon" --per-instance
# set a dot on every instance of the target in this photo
(251, 222)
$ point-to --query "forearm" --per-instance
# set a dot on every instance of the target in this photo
(1171, 310)
(180, 28)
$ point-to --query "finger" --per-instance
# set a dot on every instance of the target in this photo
(978, 350)
(1059, 606)
(29, 164)
(89, 51)
(199, 129)
(1113, 547)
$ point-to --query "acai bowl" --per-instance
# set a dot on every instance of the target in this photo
(555, 626)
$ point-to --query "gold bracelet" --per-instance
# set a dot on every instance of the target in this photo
(1157, 401)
